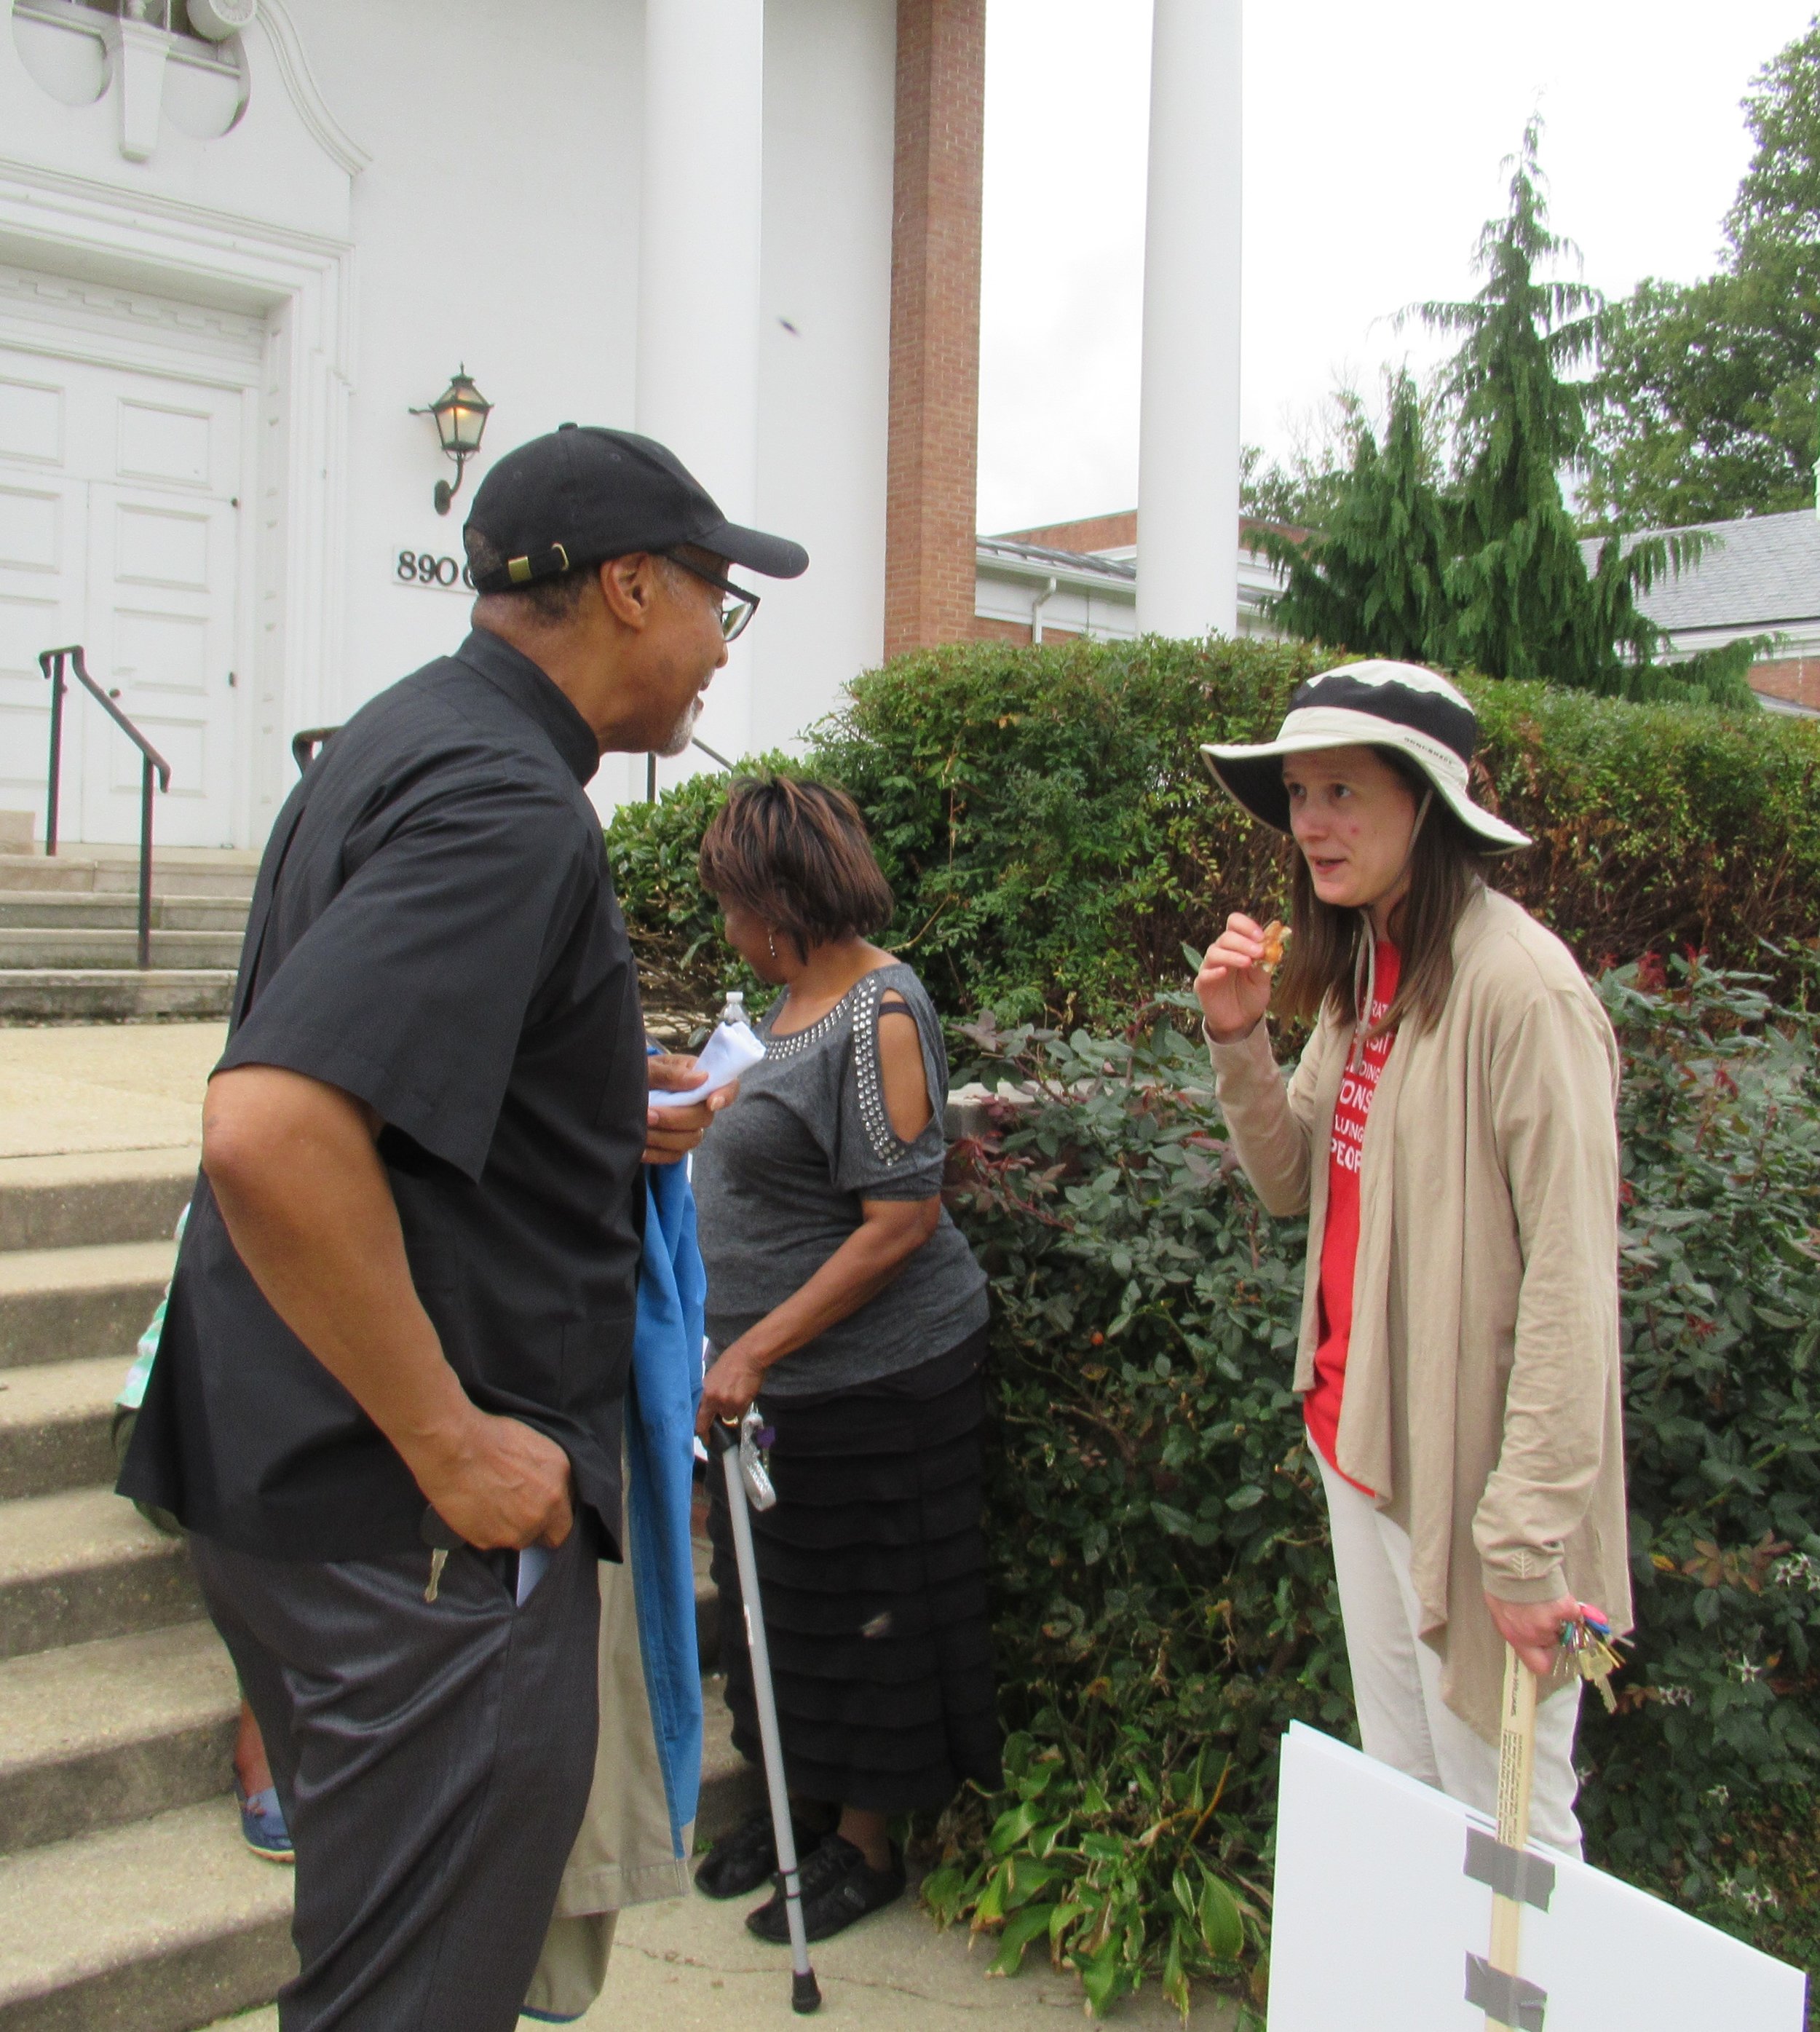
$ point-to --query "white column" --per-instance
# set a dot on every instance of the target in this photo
(1188, 429)
(700, 214)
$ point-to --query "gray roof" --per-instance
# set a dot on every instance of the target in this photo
(1763, 572)
(1120, 569)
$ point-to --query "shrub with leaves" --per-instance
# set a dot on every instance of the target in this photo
(1054, 839)
(1720, 1263)
(1163, 1580)
(1164, 1583)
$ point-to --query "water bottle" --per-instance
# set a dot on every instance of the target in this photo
(733, 1009)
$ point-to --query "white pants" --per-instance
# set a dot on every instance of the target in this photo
(1403, 1721)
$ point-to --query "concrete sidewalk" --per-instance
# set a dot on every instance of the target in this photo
(688, 1965)
(114, 1086)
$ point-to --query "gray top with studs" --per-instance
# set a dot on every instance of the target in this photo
(779, 1181)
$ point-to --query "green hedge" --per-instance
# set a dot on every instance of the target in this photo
(1055, 840)
(1163, 1585)
(1162, 1577)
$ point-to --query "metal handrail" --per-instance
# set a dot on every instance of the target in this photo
(52, 662)
(308, 742)
(713, 755)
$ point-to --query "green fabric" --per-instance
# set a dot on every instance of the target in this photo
(132, 1393)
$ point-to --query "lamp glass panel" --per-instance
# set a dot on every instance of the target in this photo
(464, 424)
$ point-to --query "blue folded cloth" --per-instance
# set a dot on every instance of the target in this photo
(660, 1407)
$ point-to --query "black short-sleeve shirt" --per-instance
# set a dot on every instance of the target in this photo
(434, 930)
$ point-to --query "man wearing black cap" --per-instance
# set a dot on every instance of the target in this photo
(387, 1399)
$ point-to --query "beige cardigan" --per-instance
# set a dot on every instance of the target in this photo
(1482, 1398)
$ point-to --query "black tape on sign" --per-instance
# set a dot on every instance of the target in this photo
(1511, 1873)
(1507, 1998)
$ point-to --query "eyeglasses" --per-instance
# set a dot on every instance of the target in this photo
(734, 619)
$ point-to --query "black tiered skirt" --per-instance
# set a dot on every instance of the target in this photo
(873, 1570)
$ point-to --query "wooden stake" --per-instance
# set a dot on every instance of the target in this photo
(1516, 1758)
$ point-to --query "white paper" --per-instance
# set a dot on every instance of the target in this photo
(1373, 1917)
(533, 1564)
(728, 1053)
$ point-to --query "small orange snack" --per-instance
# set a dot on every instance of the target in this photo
(1275, 932)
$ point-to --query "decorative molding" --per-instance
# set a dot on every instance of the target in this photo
(305, 93)
(136, 50)
(60, 301)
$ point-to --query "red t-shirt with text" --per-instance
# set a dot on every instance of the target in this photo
(1340, 1242)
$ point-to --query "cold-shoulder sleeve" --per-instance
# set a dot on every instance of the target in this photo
(870, 1158)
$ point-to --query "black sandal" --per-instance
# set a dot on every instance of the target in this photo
(745, 1856)
(838, 1887)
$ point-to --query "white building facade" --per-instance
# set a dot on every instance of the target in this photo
(241, 241)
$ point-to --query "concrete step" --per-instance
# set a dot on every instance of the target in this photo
(56, 1426)
(84, 1564)
(66, 1305)
(73, 946)
(161, 1926)
(95, 1735)
(114, 995)
(66, 910)
(94, 1196)
(168, 1922)
(114, 870)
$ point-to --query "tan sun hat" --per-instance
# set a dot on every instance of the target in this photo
(1375, 704)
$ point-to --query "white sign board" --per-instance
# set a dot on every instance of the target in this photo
(1374, 1916)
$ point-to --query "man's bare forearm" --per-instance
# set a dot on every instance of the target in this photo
(309, 1209)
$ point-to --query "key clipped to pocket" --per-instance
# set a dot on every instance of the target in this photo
(442, 1539)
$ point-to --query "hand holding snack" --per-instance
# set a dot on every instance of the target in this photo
(1233, 986)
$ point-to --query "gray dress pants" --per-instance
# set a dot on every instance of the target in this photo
(433, 1760)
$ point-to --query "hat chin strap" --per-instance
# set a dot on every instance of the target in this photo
(1365, 960)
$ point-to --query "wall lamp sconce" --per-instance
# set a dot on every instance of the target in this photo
(461, 412)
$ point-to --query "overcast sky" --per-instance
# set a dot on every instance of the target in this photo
(1373, 136)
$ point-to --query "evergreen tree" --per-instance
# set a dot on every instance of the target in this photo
(1488, 571)
(1705, 397)
(1371, 577)
(1522, 603)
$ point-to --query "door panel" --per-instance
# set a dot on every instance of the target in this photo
(160, 622)
(118, 531)
(42, 520)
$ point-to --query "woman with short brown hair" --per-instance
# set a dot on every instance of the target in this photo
(842, 1297)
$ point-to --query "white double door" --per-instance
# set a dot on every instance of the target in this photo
(119, 530)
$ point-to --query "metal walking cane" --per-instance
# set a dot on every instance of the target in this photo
(747, 1482)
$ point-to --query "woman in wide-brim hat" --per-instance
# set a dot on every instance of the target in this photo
(1450, 1133)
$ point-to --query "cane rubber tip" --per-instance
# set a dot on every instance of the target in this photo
(804, 1993)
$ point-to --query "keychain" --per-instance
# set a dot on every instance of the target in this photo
(1587, 1642)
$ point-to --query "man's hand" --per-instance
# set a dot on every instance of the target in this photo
(1533, 1629)
(498, 1482)
(672, 1132)
(728, 1387)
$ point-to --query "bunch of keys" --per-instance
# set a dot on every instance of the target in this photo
(1588, 1642)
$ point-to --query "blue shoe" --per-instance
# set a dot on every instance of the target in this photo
(262, 1825)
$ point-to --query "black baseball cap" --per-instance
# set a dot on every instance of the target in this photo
(570, 501)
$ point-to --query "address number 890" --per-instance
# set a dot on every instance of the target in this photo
(422, 567)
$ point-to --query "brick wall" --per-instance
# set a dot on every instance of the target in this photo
(930, 481)
(987, 629)
(1095, 532)
(1796, 679)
